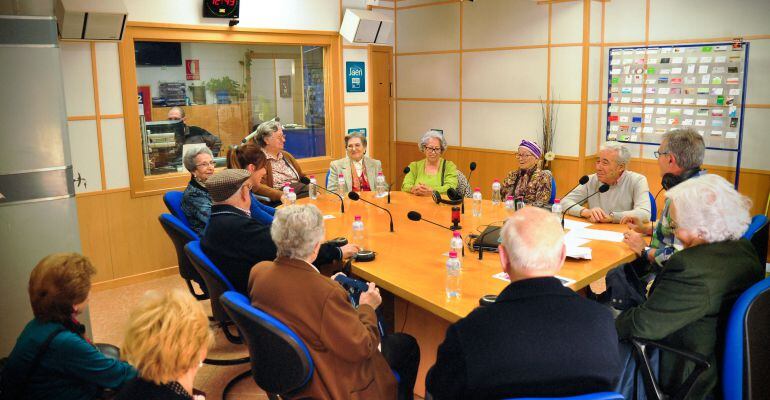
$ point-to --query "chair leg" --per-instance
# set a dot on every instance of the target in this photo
(233, 381)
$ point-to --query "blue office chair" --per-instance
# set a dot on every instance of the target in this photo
(757, 234)
(173, 201)
(653, 208)
(747, 344)
(328, 174)
(280, 362)
(180, 235)
(553, 190)
(592, 396)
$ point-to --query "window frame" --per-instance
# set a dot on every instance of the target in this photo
(142, 185)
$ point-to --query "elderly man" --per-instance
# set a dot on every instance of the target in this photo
(539, 339)
(233, 240)
(628, 194)
(679, 158)
(195, 134)
(342, 340)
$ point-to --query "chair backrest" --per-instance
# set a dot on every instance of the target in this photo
(747, 345)
(757, 233)
(463, 186)
(553, 190)
(173, 201)
(180, 235)
(653, 208)
(280, 361)
(591, 396)
(216, 282)
(328, 174)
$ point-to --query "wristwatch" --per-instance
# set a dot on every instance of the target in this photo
(645, 253)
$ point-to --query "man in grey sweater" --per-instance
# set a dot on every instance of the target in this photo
(628, 194)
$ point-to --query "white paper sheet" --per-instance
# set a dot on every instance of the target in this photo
(595, 234)
(572, 224)
(329, 216)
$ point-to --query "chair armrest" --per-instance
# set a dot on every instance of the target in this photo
(651, 385)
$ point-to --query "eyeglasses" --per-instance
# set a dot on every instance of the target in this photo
(174, 119)
(433, 149)
(657, 154)
(673, 225)
(207, 164)
(277, 136)
(524, 155)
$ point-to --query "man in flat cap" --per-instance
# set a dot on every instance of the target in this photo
(234, 241)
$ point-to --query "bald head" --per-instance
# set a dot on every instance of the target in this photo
(533, 244)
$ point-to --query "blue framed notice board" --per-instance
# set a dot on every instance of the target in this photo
(654, 89)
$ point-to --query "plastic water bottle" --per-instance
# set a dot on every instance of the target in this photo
(510, 206)
(341, 189)
(312, 191)
(380, 185)
(556, 208)
(452, 276)
(291, 197)
(476, 202)
(359, 235)
(456, 244)
(496, 198)
(286, 187)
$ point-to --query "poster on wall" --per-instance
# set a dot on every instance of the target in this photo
(355, 77)
(145, 102)
(193, 69)
(285, 84)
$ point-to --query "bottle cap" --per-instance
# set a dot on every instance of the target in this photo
(496, 181)
(456, 234)
(357, 217)
(555, 201)
(509, 197)
(341, 176)
(379, 173)
(291, 190)
(452, 254)
(286, 184)
(311, 176)
(477, 190)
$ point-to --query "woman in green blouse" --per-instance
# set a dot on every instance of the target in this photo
(432, 172)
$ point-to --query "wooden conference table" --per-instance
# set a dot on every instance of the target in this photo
(410, 262)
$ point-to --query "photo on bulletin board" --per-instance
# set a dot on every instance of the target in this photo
(285, 84)
(652, 90)
(355, 77)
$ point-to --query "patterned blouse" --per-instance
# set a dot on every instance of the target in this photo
(534, 185)
(282, 170)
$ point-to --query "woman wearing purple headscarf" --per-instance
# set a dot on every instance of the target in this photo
(529, 181)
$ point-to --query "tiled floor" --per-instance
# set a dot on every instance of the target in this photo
(109, 314)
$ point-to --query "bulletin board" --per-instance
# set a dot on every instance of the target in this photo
(652, 90)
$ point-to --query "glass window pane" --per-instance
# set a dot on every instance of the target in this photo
(216, 94)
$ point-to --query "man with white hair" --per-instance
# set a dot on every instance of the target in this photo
(539, 339)
(342, 340)
(628, 195)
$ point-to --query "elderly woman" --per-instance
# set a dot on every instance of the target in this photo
(343, 341)
(529, 182)
(695, 291)
(167, 339)
(196, 202)
(359, 171)
(433, 172)
(281, 166)
(53, 359)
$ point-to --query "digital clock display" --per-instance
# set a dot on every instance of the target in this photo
(221, 8)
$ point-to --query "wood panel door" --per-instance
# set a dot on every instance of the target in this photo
(381, 107)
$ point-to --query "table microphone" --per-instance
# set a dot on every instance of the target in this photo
(355, 197)
(481, 239)
(416, 216)
(603, 188)
(472, 168)
(306, 181)
(406, 170)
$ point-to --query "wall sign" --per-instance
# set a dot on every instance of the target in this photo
(357, 130)
(355, 77)
(193, 69)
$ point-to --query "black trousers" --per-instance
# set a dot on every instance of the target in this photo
(403, 356)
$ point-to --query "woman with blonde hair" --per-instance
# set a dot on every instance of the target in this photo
(167, 340)
(53, 358)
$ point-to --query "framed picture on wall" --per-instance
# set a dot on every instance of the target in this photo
(285, 83)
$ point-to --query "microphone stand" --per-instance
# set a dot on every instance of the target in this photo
(355, 197)
(306, 181)
(418, 217)
(578, 202)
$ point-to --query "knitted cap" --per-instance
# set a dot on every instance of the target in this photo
(532, 147)
(224, 184)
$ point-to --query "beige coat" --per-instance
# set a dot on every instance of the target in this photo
(342, 166)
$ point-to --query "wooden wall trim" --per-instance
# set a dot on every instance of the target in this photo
(234, 29)
(134, 279)
(438, 3)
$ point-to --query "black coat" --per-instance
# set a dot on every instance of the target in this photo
(146, 390)
(538, 339)
(235, 242)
